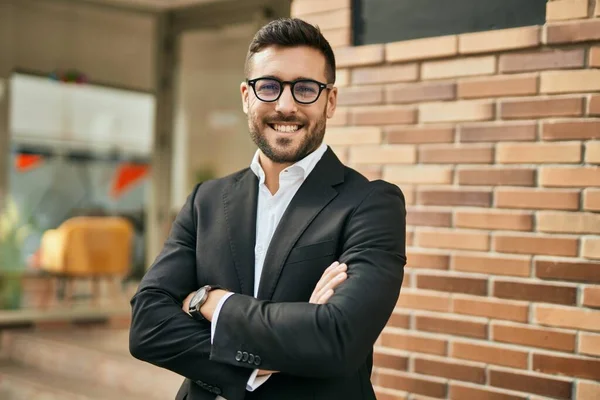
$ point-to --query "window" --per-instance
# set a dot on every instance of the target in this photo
(384, 21)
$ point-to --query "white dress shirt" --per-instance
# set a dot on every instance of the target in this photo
(270, 209)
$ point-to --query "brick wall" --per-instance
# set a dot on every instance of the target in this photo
(494, 137)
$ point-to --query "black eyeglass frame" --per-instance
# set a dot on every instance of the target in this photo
(322, 86)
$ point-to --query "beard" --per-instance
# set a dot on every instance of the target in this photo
(284, 151)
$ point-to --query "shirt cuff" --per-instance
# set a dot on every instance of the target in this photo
(255, 381)
(213, 325)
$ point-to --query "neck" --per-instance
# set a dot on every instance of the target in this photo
(272, 171)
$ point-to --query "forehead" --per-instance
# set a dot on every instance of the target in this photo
(289, 63)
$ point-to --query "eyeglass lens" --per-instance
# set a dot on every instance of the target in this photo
(303, 91)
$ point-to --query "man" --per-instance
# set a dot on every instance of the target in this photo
(285, 321)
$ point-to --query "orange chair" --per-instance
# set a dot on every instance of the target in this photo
(87, 247)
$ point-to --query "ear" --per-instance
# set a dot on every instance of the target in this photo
(332, 102)
(244, 90)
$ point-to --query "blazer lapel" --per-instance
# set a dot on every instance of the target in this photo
(240, 202)
(314, 194)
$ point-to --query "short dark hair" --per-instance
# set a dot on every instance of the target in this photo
(292, 32)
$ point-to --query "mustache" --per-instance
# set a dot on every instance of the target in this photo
(284, 119)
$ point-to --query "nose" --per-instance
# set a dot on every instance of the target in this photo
(286, 103)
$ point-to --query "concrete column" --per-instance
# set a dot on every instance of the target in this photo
(158, 218)
(7, 40)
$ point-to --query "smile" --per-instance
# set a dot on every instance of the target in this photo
(285, 128)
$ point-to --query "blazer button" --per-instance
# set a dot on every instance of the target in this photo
(245, 356)
(256, 360)
(238, 356)
(217, 391)
(250, 358)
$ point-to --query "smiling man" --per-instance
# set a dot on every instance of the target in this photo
(276, 281)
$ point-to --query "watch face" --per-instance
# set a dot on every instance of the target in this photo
(197, 297)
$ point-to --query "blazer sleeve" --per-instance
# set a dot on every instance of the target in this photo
(162, 333)
(331, 339)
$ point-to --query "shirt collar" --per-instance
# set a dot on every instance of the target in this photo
(306, 165)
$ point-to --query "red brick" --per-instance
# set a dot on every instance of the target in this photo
(591, 199)
(571, 130)
(304, 7)
(419, 217)
(539, 108)
(422, 49)
(414, 342)
(355, 56)
(378, 154)
(494, 132)
(492, 264)
(393, 361)
(333, 19)
(382, 115)
(592, 152)
(586, 368)
(569, 177)
(575, 31)
(542, 60)
(535, 244)
(520, 153)
(448, 369)
(567, 317)
(413, 384)
(568, 270)
(566, 9)
(385, 74)
(371, 172)
(475, 286)
(340, 118)
(450, 154)
(497, 176)
(468, 66)
(452, 239)
(419, 300)
(360, 95)
(552, 199)
(530, 383)
(589, 344)
(386, 394)
(430, 175)
(499, 40)
(591, 247)
(594, 105)
(338, 37)
(588, 390)
(540, 293)
(456, 111)
(498, 86)
(455, 197)
(573, 81)
(347, 135)
(491, 308)
(490, 354)
(568, 222)
(594, 57)
(417, 135)
(530, 336)
(399, 319)
(420, 92)
(502, 220)
(426, 260)
(591, 295)
(461, 392)
(458, 326)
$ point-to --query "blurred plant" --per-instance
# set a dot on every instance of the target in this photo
(13, 233)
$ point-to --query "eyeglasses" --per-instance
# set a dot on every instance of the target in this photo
(304, 91)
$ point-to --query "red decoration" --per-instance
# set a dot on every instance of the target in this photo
(26, 162)
(126, 176)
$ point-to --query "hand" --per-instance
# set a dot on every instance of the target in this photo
(186, 303)
(331, 278)
(210, 305)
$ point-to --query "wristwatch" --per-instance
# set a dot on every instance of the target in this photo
(198, 300)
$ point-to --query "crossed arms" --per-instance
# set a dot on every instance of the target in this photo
(302, 339)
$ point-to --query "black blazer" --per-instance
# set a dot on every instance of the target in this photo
(322, 351)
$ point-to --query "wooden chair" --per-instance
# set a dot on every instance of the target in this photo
(86, 248)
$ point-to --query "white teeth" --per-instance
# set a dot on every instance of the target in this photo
(286, 128)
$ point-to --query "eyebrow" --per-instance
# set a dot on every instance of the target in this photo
(297, 78)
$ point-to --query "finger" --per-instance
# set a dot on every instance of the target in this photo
(325, 297)
(331, 285)
(327, 275)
